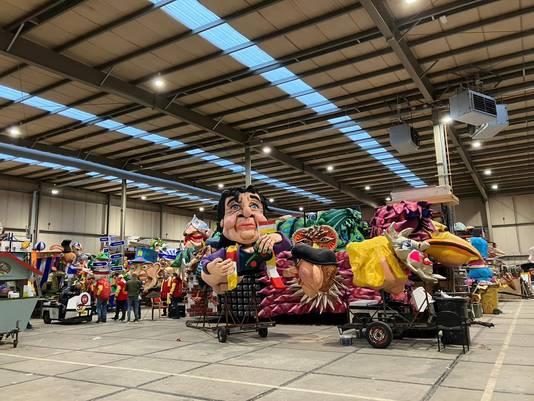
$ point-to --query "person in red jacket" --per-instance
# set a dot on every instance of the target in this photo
(174, 296)
(121, 297)
(165, 288)
(102, 292)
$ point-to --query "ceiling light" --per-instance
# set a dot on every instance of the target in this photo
(494, 187)
(487, 172)
(367, 188)
(143, 197)
(54, 191)
(220, 185)
(201, 209)
(14, 131)
(330, 168)
(410, 1)
(476, 144)
(266, 149)
(271, 200)
(446, 119)
(301, 208)
(388, 199)
(159, 82)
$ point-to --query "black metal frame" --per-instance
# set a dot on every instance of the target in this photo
(226, 323)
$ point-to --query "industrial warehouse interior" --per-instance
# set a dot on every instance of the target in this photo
(266, 200)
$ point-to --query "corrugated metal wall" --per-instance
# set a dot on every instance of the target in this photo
(512, 218)
(85, 221)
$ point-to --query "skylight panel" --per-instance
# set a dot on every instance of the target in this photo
(190, 13)
(193, 14)
(109, 124)
(25, 160)
(294, 87)
(280, 74)
(195, 151)
(76, 114)
(174, 144)
(43, 104)
(224, 37)
(132, 131)
(157, 139)
(11, 94)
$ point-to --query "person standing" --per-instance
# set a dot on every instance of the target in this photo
(174, 296)
(165, 288)
(133, 288)
(102, 293)
(121, 296)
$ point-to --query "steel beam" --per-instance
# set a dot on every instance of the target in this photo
(42, 14)
(464, 154)
(104, 166)
(248, 166)
(124, 187)
(384, 20)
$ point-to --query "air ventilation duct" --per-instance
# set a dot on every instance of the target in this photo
(472, 108)
(493, 127)
(404, 139)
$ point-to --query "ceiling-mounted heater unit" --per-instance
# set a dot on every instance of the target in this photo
(472, 108)
(493, 127)
(404, 139)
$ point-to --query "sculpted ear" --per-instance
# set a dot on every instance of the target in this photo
(406, 232)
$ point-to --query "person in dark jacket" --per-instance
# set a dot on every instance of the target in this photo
(133, 288)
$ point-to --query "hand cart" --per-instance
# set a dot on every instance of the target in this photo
(238, 312)
(14, 334)
(16, 310)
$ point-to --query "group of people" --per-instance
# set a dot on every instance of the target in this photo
(127, 295)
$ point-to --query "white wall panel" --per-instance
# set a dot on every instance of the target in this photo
(57, 214)
(142, 223)
(469, 211)
(502, 210)
(524, 208)
(525, 236)
(15, 209)
(174, 225)
(90, 244)
(506, 239)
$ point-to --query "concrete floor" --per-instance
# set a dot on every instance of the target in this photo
(164, 360)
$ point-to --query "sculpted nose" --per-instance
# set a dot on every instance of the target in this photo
(247, 212)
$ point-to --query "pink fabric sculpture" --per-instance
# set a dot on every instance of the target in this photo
(405, 214)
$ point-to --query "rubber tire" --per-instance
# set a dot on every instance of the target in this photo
(222, 335)
(263, 332)
(379, 334)
(46, 317)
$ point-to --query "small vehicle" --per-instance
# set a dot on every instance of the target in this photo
(72, 306)
(381, 322)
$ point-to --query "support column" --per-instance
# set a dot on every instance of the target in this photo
(442, 163)
(108, 215)
(488, 220)
(161, 221)
(123, 210)
(34, 216)
(440, 143)
(248, 166)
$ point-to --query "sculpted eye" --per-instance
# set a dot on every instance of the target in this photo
(235, 207)
(254, 206)
(407, 244)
